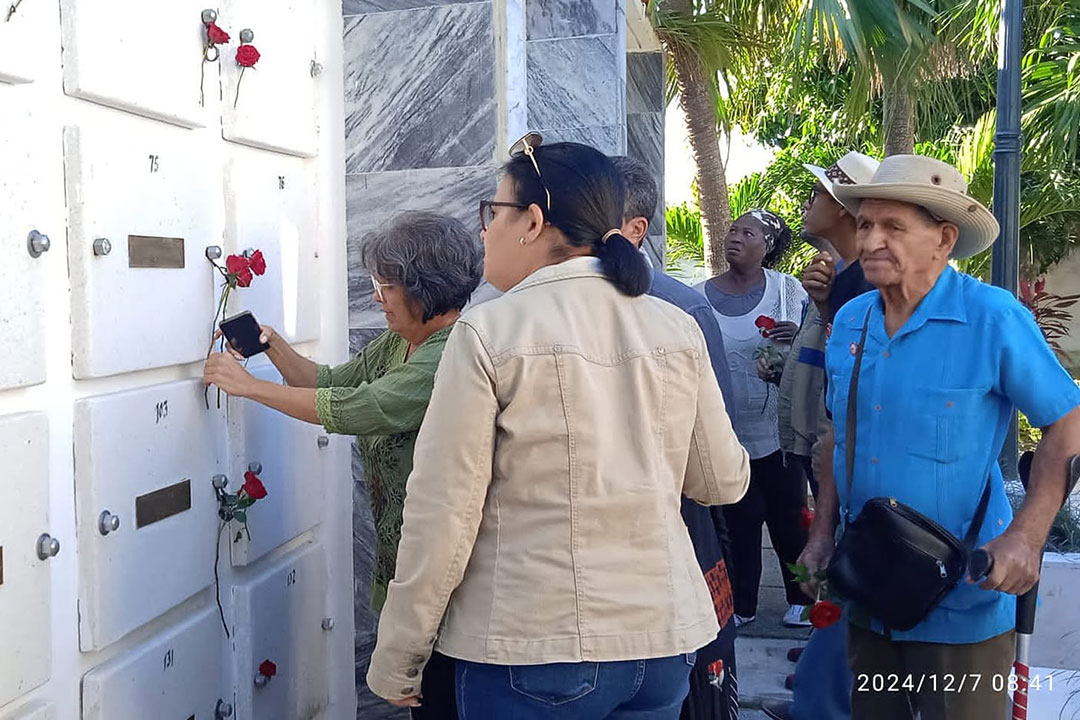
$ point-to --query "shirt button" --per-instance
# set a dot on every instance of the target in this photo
(408, 691)
(878, 408)
(873, 460)
(885, 354)
(412, 672)
(1000, 521)
(418, 660)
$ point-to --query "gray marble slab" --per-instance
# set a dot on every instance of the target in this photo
(420, 88)
(645, 82)
(645, 142)
(609, 139)
(577, 82)
(361, 7)
(572, 18)
(373, 198)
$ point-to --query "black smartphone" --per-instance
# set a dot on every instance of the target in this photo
(242, 332)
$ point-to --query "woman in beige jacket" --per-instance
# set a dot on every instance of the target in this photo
(543, 545)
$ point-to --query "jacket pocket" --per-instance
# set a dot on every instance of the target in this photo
(556, 683)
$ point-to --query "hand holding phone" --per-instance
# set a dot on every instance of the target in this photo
(242, 331)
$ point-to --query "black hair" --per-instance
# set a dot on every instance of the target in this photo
(781, 237)
(587, 194)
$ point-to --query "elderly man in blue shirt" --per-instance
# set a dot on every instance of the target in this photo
(945, 362)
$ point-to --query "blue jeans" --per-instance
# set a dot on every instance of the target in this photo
(823, 677)
(631, 690)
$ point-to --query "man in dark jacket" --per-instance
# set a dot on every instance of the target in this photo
(714, 693)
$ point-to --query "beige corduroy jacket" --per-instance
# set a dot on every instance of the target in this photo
(542, 519)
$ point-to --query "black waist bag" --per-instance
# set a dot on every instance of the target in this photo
(893, 562)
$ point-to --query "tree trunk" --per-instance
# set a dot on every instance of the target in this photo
(700, 112)
(899, 120)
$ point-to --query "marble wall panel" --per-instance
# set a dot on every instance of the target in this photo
(420, 88)
(361, 7)
(577, 82)
(645, 142)
(548, 19)
(608, 139)
(645, 82)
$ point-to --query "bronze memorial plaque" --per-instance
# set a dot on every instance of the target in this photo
(163, 503)
(147, 251)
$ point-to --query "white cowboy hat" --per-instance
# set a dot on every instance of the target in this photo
(934, 185)
(852, 169)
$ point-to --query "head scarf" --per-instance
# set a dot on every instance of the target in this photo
(771, 222)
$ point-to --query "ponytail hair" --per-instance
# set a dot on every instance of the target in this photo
(587, 194)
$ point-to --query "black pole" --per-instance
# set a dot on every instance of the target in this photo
(1006, 255)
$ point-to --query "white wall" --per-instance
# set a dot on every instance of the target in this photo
(1064, 279)
(101, 656)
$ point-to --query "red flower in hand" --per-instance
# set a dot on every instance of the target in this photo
(267, 669)
(244, 278)
(247, 56)
(216, 35)
(806, 518)
(235, 264)
(253, 486)
(257, 262)
(764, 324)
(824, 614)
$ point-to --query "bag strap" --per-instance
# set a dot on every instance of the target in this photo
(852, 407)
(972, 535)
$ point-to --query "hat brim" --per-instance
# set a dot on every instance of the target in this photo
(819, 173)
(978, 226)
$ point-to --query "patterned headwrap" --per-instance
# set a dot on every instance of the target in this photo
(771, 222)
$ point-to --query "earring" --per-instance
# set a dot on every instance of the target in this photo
(522, 240)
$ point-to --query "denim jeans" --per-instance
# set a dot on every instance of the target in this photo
(634, 689)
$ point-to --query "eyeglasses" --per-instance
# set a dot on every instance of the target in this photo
(378, 286)
(527, 146)
(487, 211)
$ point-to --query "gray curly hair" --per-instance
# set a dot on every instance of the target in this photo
(433, 258)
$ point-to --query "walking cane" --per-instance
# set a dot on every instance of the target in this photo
(982, 562)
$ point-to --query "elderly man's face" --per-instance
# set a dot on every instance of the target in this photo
(900, 244)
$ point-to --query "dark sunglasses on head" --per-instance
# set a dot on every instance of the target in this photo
(524, 146)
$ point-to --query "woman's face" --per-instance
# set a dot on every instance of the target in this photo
(403, 313)
(506, 260)
(745, 245)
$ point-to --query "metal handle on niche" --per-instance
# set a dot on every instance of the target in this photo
(102, 247)
(323, 441)
(219, 481)
(223, 710)
(213, 252)
(37, 243)
(47, 546)
(255, 467)
(107, 522)
(261, 680)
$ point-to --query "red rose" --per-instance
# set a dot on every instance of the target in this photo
(236, 264)
(216, 35)
(244, 278)
(806, 518)
(267, 669)
(257, 262)
(824, 614)
(764, 322)
(253, 486)
(247, 56)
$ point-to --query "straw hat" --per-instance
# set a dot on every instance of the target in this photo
(852, 169)
(934, 185)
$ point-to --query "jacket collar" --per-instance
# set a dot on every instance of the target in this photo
(944, 302)
(578, 267)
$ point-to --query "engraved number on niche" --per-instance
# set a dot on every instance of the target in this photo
(290, 579)
(153, 163)
(167, 663)
(162, 411)
(281, 182)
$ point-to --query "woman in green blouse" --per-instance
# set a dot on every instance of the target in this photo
(423, 269)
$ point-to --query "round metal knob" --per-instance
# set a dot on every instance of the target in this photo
(246, 35)
(255, 467)
(209, 16)
(323, 441)
(223, 710)
(102, 246)
(219, 481)
(213, 252)
(261, 680)
(36, 243)
(328, 624)
(47, 546)
(107, 522)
